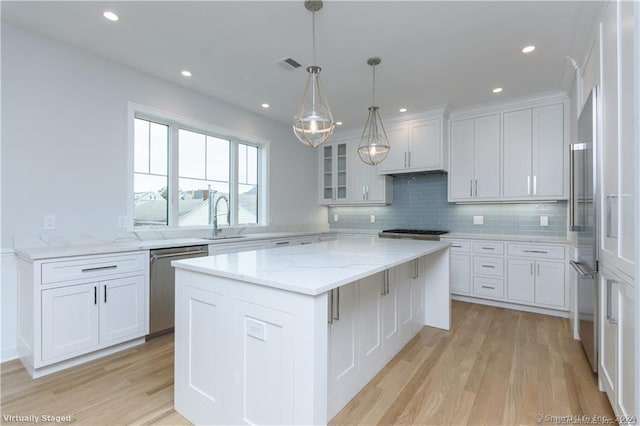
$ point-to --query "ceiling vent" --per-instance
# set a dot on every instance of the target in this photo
(288, 64)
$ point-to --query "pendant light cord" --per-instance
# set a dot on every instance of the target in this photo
(313, 36)
(374, 86)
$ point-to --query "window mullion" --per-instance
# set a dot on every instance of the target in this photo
(233, 185)
(173, 177)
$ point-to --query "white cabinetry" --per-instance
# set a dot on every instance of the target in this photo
(80, 306)
(618, 184)
(474, 168)
(345, 179)
(417, 146)
(513, 273)
(334, 163)
(618, 340)
(343, 331)
(535, 153)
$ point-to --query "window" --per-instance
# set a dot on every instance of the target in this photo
(182, 173)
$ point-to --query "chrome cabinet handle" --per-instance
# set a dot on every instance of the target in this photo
(409, 155)
(610, 199)
(99, 268)
(455, 246)
(337, 316)
(470, 187)
(330, 308)
(95, 295)
(535, 186)
(489, 287)
(488, 266)
(538, 268)
(476, 181)
(528, 185)
(416, 269)
(385, 283)
(105, 293)
(610, 317)
(582, 272)
(488, 248)
(535, 251)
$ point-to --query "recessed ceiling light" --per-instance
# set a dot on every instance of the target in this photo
(186, 73)
(403, 110)
(497, 90)
(528, 49)
(338, 123)
(265, 106)
(110, 15)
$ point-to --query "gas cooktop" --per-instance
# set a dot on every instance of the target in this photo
(420, 234)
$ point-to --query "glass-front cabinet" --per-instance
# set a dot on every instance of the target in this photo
(335, 173)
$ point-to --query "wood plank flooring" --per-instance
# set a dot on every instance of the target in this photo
(495, 366)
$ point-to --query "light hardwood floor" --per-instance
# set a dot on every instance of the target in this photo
(495, 366)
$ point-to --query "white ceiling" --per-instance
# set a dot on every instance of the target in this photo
(433, 53)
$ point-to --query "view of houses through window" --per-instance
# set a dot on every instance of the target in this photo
(212, 173)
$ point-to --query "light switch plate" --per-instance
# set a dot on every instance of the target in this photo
(478, 220)
(335, 217)
(373, 218)
(544, 220)
(256, 329)
(49, 221)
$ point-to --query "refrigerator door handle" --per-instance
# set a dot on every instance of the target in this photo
(582, 271)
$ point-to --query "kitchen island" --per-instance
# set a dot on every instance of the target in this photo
(289, 335)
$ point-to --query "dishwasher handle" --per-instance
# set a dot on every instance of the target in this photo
(184, 253)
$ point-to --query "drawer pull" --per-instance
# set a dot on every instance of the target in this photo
(488, 266)
(105, 293)
(99, 268)
(282, 243)
(488, 248)
(306, 242)
(455, 246)
(95, 295)
(489, 287)
(535, 251)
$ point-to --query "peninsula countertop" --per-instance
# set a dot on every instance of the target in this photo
(313, 269)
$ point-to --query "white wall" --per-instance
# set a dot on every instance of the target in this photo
(64, 142)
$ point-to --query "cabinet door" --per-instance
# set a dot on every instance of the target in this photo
(390, 328)
(359, 173)
(626, 350)
(398, 140)
(549, 277)
(516, 179)
(326, 174)
(608, 352)
(425, 145)
(461, 273)
(461, 166)
(520, 280)
(122, 309)
(548, 151)
(343, 352)
(404, 275)
(369, 313)
(487, 157)
(341, 154)
(69, 320)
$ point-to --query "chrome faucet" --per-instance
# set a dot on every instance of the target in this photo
(215, 214)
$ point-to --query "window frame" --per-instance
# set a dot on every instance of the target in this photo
(176, 123)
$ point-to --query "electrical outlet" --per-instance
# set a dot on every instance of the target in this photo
(478, 220)
(373, 218)
(49, 221)
(544, 220)
(122, 221)
(335, 217)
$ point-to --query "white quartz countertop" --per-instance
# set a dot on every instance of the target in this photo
(50, 252)
(313, 269)
(515, 238)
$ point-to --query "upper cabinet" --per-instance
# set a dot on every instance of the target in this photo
(515, 152)
(474, 170)
(534, 154)
(417, 145)
(346, 180)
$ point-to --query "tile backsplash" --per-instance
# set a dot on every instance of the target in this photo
(420, 202)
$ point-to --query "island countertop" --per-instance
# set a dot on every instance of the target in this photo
(313, 269)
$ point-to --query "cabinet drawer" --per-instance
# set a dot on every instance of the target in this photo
(489, 287)
(538, 251)
(488, 247)
(458, 246)
(92, 267)
(493, 266)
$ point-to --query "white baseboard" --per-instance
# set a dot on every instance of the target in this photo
(8, 354)
(514, 306)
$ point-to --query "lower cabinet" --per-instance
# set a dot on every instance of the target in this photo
(369, 322)
(71, 307)
(617, 350)
(519, 273)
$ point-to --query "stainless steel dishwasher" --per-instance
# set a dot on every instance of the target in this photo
(162, 286)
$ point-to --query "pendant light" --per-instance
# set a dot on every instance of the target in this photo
(313, 124)
(374, 144)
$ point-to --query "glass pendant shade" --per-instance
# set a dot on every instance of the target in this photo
(374, 144)
(313, 124)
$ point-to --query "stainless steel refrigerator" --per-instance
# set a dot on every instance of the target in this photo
(585, 221)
